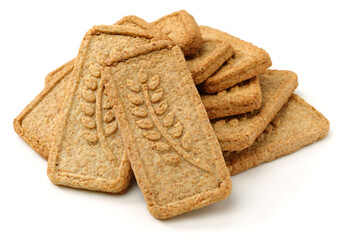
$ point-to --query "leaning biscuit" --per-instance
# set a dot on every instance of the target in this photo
(88, 151)
(182, 28)
(296, 125)
(246, 62)
(238, 132)
(241, 98)
(170, 143)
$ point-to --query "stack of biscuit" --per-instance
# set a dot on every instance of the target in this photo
(184, 106)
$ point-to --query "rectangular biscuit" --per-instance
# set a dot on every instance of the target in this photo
(88, 151)
(241, 98)
(208, 59)
(182, 28)
(296, 125)
(170, 143)
(238, 132)
(246, 62)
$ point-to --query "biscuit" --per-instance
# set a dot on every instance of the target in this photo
(208, 59)
(88, 151)
(241, 98)
(246, 62)
(238, 132)
(296, 125)
(182, 28)
(170, 143)
(37, 122)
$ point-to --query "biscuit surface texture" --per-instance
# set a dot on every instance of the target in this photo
(88, 151)
(238, 132)
(241, 98)
(182, 28)
(208, 59)
(36, 124)
(296, 125)
(173, 151)
(246, 62)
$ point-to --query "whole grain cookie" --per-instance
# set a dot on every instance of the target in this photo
(238, 132)
(182, 28)
(296, 125)
(246, 62)
(208, 59)
(170, 143)
(88, 151)
(241, 98)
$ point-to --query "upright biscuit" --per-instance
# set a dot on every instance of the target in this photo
(238, 132)
(296, 125)
(88, 151)
(205, 61)
(241, 98)
(173, 151)
(182, 28)
(246, 62)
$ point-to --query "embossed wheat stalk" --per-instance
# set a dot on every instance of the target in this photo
(171, 129)
(96, 102)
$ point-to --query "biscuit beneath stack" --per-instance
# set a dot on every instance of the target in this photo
(238, 132)
(241, 98)
(296, 125)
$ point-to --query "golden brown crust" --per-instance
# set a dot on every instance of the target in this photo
(247, 61)
(189, 37)
(238, 132)
(241, 98)
(37, 122)
(173, 151)
(59, 72)
(208, 59)
(88, 151)
(296, 125)
(182, 28)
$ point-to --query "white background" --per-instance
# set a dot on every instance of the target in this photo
(298, 196)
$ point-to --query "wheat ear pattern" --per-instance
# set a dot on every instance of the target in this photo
(169, 135)
(94, 104)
